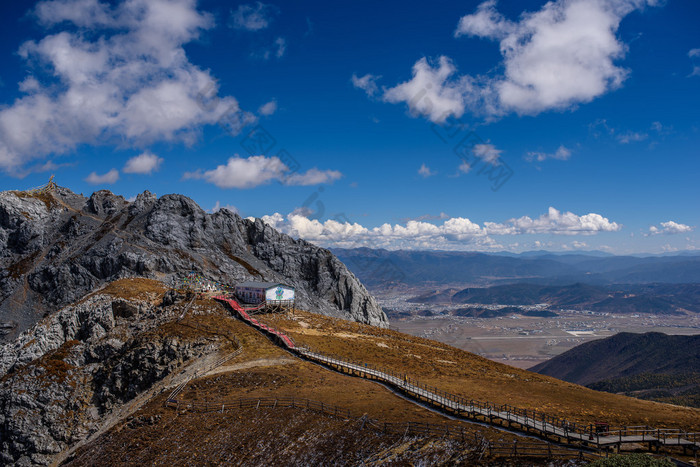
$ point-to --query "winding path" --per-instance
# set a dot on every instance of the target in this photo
(544, 425)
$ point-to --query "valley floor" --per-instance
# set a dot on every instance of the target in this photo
(518, 340)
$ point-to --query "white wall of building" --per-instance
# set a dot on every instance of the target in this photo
(279, 293)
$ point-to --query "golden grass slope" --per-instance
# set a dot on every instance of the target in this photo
(158, 435)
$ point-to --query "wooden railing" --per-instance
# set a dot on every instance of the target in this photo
(530, 421)
(477, 441)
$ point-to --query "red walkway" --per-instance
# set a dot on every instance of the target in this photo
(243, 313)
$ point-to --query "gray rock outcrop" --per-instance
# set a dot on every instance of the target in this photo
(63, 376)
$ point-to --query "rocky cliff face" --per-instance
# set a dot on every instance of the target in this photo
(77, 366)
(55, 248)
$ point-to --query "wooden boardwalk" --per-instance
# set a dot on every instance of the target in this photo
(531, 422)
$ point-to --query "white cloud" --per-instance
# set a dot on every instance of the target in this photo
(268, 108)
(669, 228)
(312, 176)
(244, 173)
(488, 153)
(554, 222)
(252, 17)
(218, 207)
(113, 75)
(105, 179)
(464, 167)
(277, 49)
(692, 53)
(601, 128)
(632, 137)
(281, 44)
(425, 171)
(368, 83)
(562, 154)
(455, 233)
(487, 22)
(430, 92)
(145, 163)
(555, 58)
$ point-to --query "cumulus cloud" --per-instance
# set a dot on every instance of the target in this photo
(244, 173)
(669, 228)
(145, 163)
(108, 178)
(554, 222)
(252, 17)
(268, 108)
(457, 233)
(110, 74)
(562, 154)
(425, 171)
(556, 58)
(368, 83)
(431, 92)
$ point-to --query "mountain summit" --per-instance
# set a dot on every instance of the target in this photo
(56, 246)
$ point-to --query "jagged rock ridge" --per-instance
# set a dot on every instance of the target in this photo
(55, 248)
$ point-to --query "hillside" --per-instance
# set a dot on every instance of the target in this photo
(99, 372)
(134, 341)
(56, 246)
(652, 366)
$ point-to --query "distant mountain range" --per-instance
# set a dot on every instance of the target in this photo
(631, 298)
(379, 267)
(619, 298)
(649, 366)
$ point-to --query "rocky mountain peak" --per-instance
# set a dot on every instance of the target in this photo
(55, 247)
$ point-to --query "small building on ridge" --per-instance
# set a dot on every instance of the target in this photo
(270, 292)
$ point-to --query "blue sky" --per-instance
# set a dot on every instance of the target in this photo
(489, 126)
